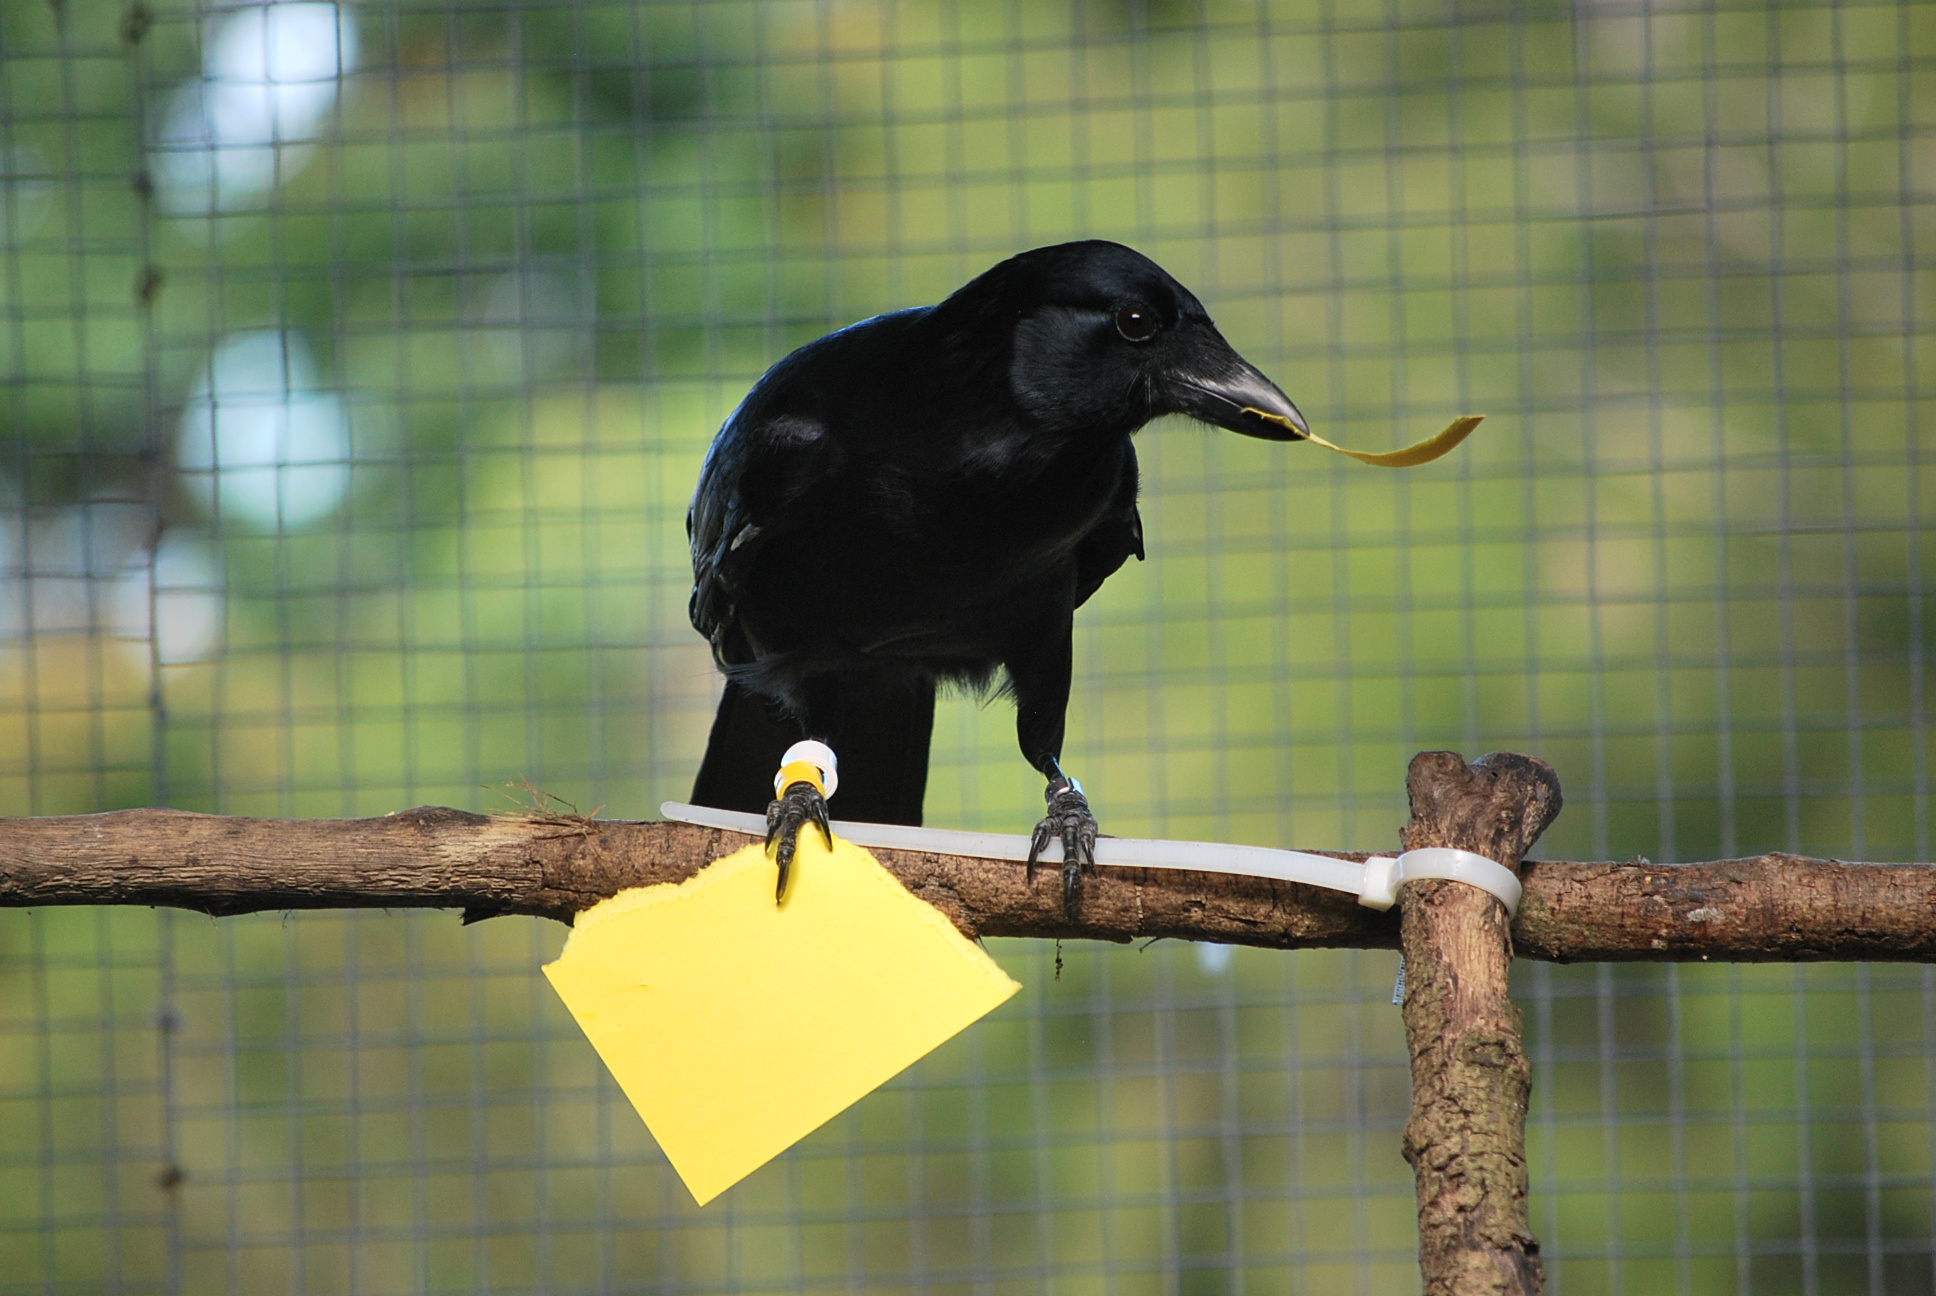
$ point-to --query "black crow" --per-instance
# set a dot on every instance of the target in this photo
(926, 497)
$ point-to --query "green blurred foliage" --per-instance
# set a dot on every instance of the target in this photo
(1678, 256)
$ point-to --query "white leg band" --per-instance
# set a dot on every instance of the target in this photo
(817, 754)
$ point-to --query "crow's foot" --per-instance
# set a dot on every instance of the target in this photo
(1070, 822)
(798, 806)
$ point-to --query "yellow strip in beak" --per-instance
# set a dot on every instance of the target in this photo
(1410, 457)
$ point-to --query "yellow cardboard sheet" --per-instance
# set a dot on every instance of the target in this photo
(737, 1027)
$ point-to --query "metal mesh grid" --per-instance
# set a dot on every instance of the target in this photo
(355, 363)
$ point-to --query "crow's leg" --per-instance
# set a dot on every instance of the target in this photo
(1069, 821)
(879, 725)
(751, 733)
(1040, 671)
(802, 800)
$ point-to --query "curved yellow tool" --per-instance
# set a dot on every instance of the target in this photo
(1410, 457)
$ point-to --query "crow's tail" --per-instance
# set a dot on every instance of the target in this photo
(880, 733)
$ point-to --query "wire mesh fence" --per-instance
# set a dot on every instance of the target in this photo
(356, 362)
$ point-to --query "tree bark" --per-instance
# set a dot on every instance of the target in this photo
(1466, 1139)
(552, 866)
(1769, 908)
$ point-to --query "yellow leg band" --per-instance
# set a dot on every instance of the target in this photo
(801, 772)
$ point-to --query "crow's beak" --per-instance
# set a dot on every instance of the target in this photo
(1241, 399)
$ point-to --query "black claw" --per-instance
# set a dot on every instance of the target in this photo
(800, 805)
(1036, 843)
(1070, 820)
(1078, 854)
(818, 808)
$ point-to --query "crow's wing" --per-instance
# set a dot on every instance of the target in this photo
(1109, 544)
(755, 489)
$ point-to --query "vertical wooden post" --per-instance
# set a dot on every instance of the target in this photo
(1466, 1139)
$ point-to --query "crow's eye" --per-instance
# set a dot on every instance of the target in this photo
(1136, 321)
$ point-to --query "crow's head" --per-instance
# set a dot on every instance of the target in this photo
(1105, 340)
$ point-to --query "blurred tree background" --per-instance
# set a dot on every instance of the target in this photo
(356, 361)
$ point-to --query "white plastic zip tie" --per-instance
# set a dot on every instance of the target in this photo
(817, 754)
(1375, 882)
(1384, 875)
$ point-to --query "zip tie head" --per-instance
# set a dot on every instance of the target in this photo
(1379, 890)
(1384, 875)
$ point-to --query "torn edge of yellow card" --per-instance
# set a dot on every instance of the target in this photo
(737, 1026)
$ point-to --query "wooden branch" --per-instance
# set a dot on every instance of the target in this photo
(1768, 908)
(1466, 1135)
(554, 866)
(1466, 1138)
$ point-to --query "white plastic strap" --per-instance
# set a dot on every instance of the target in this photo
(1384, 875)
(1375, 882)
